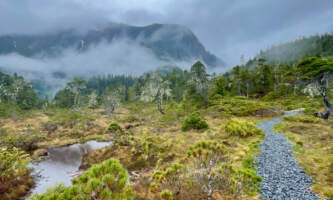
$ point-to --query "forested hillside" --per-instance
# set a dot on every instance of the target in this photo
(292, 52)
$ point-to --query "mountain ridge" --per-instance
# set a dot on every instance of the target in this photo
(167, 41)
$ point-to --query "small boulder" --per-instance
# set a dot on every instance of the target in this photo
(50, 127)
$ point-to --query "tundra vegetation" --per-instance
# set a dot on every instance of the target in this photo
(177, 134)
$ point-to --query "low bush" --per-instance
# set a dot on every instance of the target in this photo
(69, 119)
(242, 179)
(238, 106)
(129, 118)
(114, 127)
(205, 157)
(25, 142)
(194, 121)
(170, 179)
(150, 149)
(107, 181)
(166, 195)
(241, 128)
(12, 161)
(10, 111)
(15, 179)
(304, 119)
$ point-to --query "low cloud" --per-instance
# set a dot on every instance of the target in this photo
(119, 57)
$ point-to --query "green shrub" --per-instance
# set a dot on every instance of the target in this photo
(114, 127)
(248, 179)
(25, 142)
(237, 106)
(12, 161)
(304, 119)
(205, 156)
(166, 195)
(241, 128)
(150, 149)
(170, 179)
(68, 118)
(107, 181)
(10, 111)
(194, 121)
(129, 118)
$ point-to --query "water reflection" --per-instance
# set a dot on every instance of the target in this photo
(62, 164)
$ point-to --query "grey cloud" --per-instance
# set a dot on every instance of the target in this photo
(226, 28)
(122, 57)
(119, 57)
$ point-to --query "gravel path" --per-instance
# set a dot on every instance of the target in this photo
(283, 178)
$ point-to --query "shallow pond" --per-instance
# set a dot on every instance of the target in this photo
(62, 164)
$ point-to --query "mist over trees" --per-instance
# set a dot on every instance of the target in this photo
(294, 51)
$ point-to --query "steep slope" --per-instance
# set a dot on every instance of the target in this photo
(167, 42)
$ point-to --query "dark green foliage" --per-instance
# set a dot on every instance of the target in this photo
(115, 128)
(178, 79)
(192, 100)
(263, 83)
(14, 90)
(311, 68)
(199, 78)
(64, 98)
(318, 71)
(194, 121)
(220, 86)
(100, 83)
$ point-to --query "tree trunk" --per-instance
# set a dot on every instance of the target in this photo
(239, 90)
(327, 105)
(112, 109)
(247, 90)
(159, 102)
(206, 100)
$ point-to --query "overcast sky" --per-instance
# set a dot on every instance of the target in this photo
(227, 28)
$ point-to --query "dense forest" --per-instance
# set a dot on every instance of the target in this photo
(177, 134)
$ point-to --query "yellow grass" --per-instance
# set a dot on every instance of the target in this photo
(313, 150)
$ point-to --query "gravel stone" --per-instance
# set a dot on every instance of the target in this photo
(283, 178)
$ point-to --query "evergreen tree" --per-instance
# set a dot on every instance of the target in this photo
(319, 72)
(200, 78)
